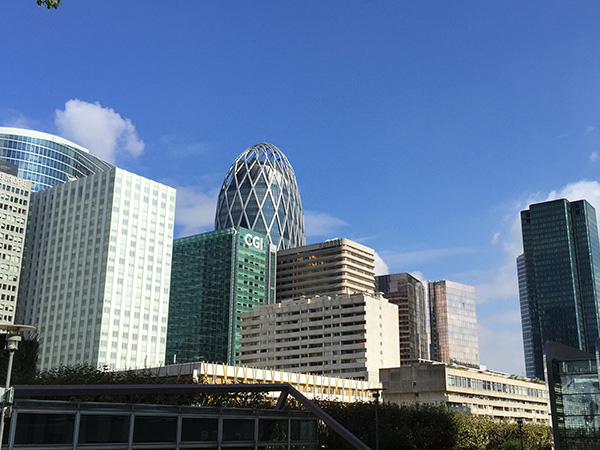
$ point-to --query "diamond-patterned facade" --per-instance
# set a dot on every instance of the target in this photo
(260, 193)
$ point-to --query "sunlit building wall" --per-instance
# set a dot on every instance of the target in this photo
(97, 271)
(454, 336)
(14, 208)
(337, 266)
(216, 277)
(260, 193)
(47, 160)
(350, 336)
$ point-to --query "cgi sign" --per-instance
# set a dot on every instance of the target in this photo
(253, 241)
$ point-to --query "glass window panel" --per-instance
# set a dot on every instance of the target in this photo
(272, 430)
(155, 429)
(199, 429)
(238, 430)
(44, 429)
(103, 429)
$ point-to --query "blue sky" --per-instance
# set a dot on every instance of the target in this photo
(420, 129)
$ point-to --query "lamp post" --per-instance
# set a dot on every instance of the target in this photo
(12, 345)
(520, 424)
(376, 394)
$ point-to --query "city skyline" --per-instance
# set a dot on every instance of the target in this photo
(418, 130)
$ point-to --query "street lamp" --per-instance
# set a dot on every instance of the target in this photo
(520, 424)
(12, 345)
(376, 394)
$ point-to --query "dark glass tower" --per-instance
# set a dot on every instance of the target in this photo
(408, 293)
(260, 193)
(561, 250)
(215, 277)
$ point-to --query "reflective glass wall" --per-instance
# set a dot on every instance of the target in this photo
(45, 159)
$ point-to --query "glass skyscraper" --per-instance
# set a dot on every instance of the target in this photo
(96, 271)
(47, 160)
(408, 293)
(454, 337)
(216, 276)
(260, 193)
(561, 249)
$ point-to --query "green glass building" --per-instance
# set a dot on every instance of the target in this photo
(561, 252)
(215, 277)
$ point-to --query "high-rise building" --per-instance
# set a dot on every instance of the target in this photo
(14, 208)
(350, 336)
(216, 277)
(46, 160)
(408, 293)
(525, 319)
(97, 271)
(337, 266)
(454, 338)
(561, 250)
(260, 193)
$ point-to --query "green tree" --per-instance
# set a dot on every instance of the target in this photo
(49, 3)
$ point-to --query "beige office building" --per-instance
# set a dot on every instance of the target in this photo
(14, 208)
(337, 266)
(480, 392)
(350, 336)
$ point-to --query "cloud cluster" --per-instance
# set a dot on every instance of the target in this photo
(381, 268)
(101, 130)
(195, 210)
(319, 224)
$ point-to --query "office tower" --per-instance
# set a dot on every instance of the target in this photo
(560, 244)
(337, 266)
(47, 160)
(454, 338)
(408, 294)
(350, 336)
(260, 193)
(525, 319)
(97, 271)
(14, 208)
(216, 276)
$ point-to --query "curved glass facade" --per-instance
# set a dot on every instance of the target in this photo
(45, 159)
(260, 193)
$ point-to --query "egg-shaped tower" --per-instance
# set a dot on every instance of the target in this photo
(260, 193)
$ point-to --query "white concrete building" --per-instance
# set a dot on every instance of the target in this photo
(337, 266)
(351, 336)
(475, 391)
(97, 271)
(14, 207)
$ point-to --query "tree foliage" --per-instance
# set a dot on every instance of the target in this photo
(49, 3)
(424, 427)
(428, 427)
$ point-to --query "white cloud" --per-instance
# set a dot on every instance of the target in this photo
(502, 283)
(589, 129)
(381, 267)
(101, 130)
(495, 238)
(501, 350)
(594, 156)
(319, 224)
(19, 121)
(195, 210)
(418, 275)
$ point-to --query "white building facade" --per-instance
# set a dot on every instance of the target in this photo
(350, 336)
(97, 271)
(14, 208)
